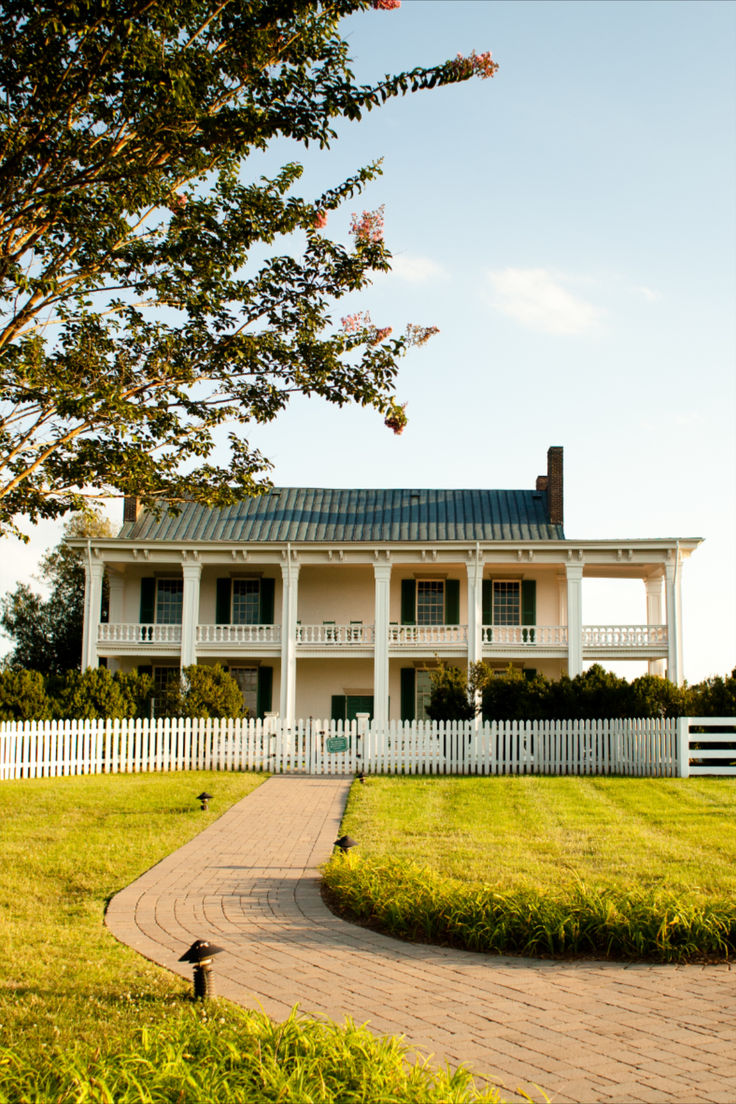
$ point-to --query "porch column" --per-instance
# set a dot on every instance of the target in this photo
(190, 612)
(290, 579)
(654, 615)
(382, 578)
(574, 575)
(673, 599)
(93, 572)
(475, 612)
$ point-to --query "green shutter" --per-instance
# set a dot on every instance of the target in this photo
(487, 602)
(145, 669)
(267, 601)
(452, 601)
(530, 673)
(408, 602)
(528, 605)
(148, 600)
(265, 690)
(339, 704)
(408, 693)
(222, 606)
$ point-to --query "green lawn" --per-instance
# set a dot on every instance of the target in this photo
(83, 1018)
(537, 865)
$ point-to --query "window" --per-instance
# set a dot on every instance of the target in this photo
(506, 603)
(163, 677)
(169, 594)
(423, 694)
(246, 602)
(430, 602)
(247, 680)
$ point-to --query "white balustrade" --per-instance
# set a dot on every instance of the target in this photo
(238, 634)
(518, 636)
(116, 633)
(335, 634)
(624, 636)
(428, 634)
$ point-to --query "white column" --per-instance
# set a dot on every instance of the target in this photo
(93, 572)
(654, 615)
(475, 615)
(290, 579)
(116, 583)
(190, 612)
(382, 578)
(673, 600)
(574, 574)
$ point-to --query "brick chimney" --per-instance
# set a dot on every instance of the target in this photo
(553, 485)
(131, 508)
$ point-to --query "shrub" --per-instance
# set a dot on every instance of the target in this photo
(202, 692)
(23, 696)
(450, 695)
(98, 692)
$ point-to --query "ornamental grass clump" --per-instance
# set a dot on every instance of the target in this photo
(416, 903)
(225, 1055)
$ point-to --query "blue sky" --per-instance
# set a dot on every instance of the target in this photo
(570, 228)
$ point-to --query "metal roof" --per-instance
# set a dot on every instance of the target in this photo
(310, 514)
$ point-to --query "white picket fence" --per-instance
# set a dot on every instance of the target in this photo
(43, 749)
(708, 745)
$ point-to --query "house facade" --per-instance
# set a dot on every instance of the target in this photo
(328, 603)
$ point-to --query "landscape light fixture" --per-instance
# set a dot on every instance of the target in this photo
(345, 843)
(200, 954)
(361, 777)
(205, 798)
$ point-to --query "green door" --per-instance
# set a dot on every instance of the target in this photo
(355, 705)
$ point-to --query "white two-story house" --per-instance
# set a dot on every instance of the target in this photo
(331, 602)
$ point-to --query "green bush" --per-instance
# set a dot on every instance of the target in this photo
(202, 692)
(23, 696)
(450, 695)
(98, 693)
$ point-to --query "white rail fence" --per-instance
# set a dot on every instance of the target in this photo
(652, 748)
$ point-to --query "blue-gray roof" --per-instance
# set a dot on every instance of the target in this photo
(309, 514)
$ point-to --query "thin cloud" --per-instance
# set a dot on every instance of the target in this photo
(536, 298)
(416, 270)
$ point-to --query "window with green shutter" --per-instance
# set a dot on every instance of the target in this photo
(408, 602)
(452, 601)
(265, 690)
(222, 601)
(408, 694)
(528, 608)
(268, 587)
(148, 601)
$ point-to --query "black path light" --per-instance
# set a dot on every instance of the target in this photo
(200, 954)
(345, 843)
(361, 777)
(205, 798)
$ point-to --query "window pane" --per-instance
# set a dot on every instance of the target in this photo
(424, 693)
(246, 601)
(162, 676)
(430, 602)
(247, 680)
(169, 593)
(506, 604)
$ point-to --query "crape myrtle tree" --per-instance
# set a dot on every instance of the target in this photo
(135, 328)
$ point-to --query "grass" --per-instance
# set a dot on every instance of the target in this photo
(609, 867)
(85, 1019)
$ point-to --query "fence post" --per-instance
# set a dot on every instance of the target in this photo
(683, 747)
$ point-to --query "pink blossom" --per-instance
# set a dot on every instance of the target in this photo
(475, 64)
(353, 323)
(386, 5)
(369, 226)
(418, 335)
(380, 335)
(320, 220)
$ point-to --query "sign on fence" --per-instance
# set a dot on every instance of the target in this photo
(37, 749)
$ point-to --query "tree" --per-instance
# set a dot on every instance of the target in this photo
(132, 329)
(48, 632)
(450, 699)
(23, 696)
(202, 692)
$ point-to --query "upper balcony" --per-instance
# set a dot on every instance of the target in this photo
(356, 638)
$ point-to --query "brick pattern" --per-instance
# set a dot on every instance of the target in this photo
(582, 1031)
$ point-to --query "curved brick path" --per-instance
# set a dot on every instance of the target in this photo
(583, 1031)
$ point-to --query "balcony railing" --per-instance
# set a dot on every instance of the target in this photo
(335, 634)
(138, 634)
(523, 635)
(428, 634)
(624, 636)
(238, 634)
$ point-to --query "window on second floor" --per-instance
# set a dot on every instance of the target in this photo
(245, 601)
(430, 601)
(506, 603)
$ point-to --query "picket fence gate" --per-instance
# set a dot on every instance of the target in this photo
(644, 747)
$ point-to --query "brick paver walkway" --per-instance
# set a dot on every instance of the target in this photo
(583, 1031)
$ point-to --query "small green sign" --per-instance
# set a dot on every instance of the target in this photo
(336, 743)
